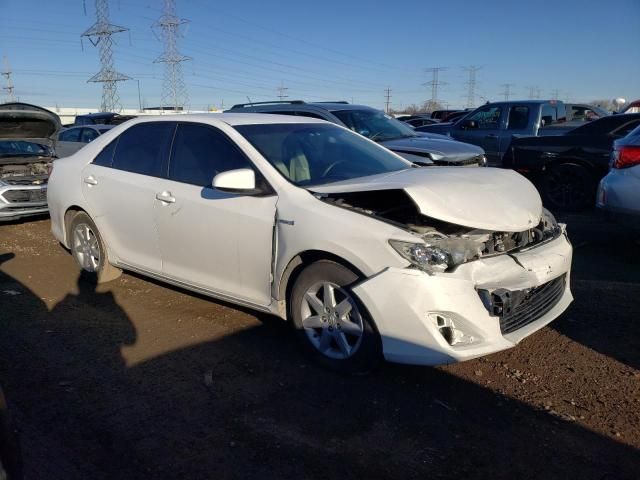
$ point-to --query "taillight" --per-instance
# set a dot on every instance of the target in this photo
(626, 156)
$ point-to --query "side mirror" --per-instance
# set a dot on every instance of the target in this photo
(469, 124)
(242, 180)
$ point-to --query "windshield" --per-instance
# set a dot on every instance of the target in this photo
(20, 148)
(316, 154)
(374, 124)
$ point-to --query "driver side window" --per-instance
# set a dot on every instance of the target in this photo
(201, 152)
(487, 118)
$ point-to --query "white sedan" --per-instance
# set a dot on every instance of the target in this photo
(365, 254)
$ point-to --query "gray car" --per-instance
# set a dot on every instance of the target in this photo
(70, 140)
(419, 148)
(619, 191)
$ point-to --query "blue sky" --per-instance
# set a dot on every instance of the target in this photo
(328, 50)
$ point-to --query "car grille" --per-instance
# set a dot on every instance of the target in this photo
(25, 180)
(25, 196)
(517, 308)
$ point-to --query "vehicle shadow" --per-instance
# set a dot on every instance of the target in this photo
(606, 285)
(248, 405)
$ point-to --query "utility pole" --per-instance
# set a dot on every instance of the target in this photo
(99, 34)
(6, 73)
(434, 83)
(139, 97)
(168, 29)
(387, 96)
(507, 91)
(282, 92)
(471, 85)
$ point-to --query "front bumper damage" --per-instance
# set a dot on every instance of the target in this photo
(446, 317)
(18, 201)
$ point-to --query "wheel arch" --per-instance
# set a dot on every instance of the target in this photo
(300, 261)
(69, 213)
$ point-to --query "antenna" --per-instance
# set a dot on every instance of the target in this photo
(99, 34)
(471, 85)
(6, 73)
(169, 26)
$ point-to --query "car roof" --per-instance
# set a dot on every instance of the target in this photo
(98, 115)
(297, 105)
(233, 119)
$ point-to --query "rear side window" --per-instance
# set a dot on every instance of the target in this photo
(200, 152)
(144, 148)
(72, 135)
(518, 118)
(105, 157)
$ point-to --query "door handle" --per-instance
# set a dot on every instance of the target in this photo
(165, 197)
(91, 180)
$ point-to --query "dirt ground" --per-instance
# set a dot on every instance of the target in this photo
(137, 379)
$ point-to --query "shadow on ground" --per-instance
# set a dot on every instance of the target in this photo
(606, 285)
(249, 406)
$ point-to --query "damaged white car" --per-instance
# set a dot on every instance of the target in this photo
(367, 255)
(26, 153)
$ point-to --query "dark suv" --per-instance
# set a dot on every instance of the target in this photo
(419, 148)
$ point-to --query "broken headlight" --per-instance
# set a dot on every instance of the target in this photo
(438, 253)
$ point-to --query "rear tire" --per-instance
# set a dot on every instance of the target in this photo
(331, 323)
(89, 251)
(569, 187)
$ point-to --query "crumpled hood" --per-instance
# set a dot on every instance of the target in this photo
(485, 198)
(443, 148)
(21, 121)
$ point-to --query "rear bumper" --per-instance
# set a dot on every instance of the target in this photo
(409, 307)
(15, 202)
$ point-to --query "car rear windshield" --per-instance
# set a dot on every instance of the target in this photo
(316, 154)
(374, 124)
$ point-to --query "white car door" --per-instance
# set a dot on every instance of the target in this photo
(120, 185)
(215, 240)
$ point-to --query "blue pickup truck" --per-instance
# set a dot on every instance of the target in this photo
(493, 125)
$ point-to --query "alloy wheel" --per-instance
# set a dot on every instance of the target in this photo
(331, 320)
(86, 248)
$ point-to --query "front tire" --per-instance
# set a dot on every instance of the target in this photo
(89, 251)
(330, 322)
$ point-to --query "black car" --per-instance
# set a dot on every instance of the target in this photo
(567, 168)
(417, 120)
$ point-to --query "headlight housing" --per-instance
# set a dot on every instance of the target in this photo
(438, 254)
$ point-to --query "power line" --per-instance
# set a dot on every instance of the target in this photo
(507, 90)
(174, 90)
(434, 83)
(99, 34)
(6, 73)
(471, 85)
(387, 96)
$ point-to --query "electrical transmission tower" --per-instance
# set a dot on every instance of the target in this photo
(168, 29)
(434, 83)
(534, 93)
(387, 101)
(6, 73)
(282, 92)
(555, 93)
(99, 34)
(471, 85)
(507, 91)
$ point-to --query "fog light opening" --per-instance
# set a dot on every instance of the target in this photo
(451, 334)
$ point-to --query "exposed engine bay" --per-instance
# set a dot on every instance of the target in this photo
(36, 173)
(397, 208)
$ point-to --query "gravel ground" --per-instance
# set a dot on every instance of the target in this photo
(136, 379)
